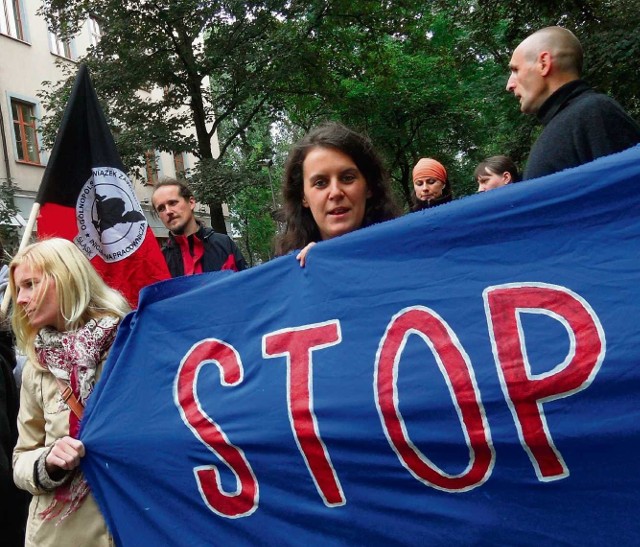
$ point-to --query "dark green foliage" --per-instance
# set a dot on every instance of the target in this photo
(252, 218)
(9, 237)
(421, 79)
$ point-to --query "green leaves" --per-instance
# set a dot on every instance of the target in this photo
(422, 79)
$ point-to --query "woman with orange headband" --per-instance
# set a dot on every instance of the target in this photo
(430, 184)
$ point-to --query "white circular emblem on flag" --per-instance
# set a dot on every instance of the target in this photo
(110, 220)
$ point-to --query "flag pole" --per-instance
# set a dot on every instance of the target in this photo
(23, 243)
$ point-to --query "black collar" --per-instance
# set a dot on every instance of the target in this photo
(202, 234)
(559, 99)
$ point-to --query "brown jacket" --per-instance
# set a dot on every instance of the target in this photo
(43, 418)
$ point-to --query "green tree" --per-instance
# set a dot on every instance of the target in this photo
(252, 218)
(221, 61)
(404, 85)
(420, 79)
(9, 237)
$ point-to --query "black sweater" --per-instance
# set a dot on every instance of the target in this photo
(580, 126)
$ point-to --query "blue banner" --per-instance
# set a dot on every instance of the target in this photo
(465, 375)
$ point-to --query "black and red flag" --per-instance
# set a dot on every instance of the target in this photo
(86, 197)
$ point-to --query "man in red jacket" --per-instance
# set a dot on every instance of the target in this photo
(192, 248)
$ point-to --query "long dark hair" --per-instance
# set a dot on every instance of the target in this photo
(300, 227)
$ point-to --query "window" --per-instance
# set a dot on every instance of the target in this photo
(60, 47)
(94, 31)
(11, 19)
(151, 166)
(63, 48)
(25, 131)
(178, 163)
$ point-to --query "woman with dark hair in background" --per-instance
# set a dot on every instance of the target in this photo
(334, 183)
(430, 184)
(495, 172)
(13, 516)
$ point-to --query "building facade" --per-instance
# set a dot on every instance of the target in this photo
(28, 55)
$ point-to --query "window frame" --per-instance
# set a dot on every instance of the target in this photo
(95, 33)
(66, 50)
(21, 147)
(180, 172)
(12, 14)
(151, 168)
(63, 48)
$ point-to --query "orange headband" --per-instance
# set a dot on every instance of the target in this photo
(429, 168)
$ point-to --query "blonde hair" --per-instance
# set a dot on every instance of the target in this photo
(82, 294)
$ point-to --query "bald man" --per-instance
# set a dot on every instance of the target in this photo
(580, 125)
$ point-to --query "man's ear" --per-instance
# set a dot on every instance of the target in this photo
(506, 176)
(192, 203)
(545, 60)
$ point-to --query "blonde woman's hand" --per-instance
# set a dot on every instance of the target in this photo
(64, 455)
(302, 255)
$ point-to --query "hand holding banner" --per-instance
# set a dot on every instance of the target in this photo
(465, 375)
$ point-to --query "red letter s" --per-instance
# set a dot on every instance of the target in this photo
(244, 500)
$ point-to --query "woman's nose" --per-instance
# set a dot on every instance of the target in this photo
(335, 190)
(22, 297)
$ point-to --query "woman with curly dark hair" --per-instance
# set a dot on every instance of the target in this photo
(334, 183)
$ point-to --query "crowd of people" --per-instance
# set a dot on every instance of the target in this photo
(65, 317)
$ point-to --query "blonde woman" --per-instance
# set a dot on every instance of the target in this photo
(65, 319)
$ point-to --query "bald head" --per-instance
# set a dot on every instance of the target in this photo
(542, 63)
(562, 44)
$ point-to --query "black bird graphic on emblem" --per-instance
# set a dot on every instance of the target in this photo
(110, 211)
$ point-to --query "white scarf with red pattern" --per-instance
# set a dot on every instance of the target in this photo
(73, 357)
